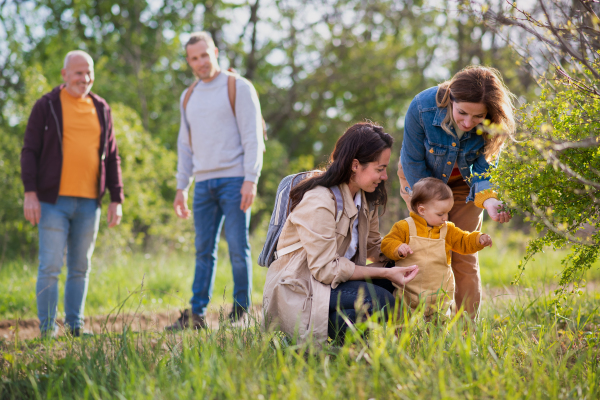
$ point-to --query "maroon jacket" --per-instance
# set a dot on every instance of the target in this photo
(42, 154)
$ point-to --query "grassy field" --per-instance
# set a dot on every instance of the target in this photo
(520, 349)
(167, 278)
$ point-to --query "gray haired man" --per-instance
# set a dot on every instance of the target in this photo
(69, 159)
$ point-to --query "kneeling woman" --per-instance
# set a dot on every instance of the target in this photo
(306, 288)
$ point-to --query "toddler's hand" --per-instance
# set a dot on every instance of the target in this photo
(403, 250)
(485, 240)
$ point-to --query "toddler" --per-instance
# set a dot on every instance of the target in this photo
(426, 239)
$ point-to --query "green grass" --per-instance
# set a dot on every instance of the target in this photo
(167, 276)
(520, 349)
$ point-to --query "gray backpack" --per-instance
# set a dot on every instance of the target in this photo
(281, 211)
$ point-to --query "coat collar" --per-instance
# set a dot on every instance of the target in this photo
(349, 206)
(439, 116)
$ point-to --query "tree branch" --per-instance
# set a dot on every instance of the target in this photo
(540, 215)
(591, 141)
(550, 157)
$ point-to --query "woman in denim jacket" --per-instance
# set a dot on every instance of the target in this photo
(444, 138)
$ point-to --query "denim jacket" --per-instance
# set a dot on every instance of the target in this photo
(428, 150)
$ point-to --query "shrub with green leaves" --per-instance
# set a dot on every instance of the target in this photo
(551, 174)
(553, 180)
(148, 170)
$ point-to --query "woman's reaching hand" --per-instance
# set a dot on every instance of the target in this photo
(495, 209)
(400, 276)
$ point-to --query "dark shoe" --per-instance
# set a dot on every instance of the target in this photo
(237, 313)
(188, 320)
(79, 332)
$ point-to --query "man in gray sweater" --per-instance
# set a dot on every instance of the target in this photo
(220, 145)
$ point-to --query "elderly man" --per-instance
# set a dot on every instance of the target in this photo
(220, 146)
(68, 160)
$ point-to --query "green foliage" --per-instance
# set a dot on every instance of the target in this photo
(331, 63)
(520, 349)
(149, 186)
(552, 187)
(17, 237)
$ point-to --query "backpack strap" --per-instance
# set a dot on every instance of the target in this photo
(339, 209)
(231, 90)
(339, 202)
(186, 100)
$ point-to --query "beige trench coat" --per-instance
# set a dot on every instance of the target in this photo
(298, 285)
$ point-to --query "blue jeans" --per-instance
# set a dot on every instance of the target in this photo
(72, 223)
(377, 295)
(216, 200)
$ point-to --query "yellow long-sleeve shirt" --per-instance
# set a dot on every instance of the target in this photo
(456, 239)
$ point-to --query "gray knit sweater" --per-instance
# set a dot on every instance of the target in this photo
(224, 145)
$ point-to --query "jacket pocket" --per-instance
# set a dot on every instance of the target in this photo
(471, 156)
(296, 285)
(435, 155)
(295, 307)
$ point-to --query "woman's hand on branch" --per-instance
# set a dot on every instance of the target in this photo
(495, 208)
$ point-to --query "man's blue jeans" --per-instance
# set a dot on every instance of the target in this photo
(215, 200)
(72, 223)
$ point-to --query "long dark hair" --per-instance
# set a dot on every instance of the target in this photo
(364, 142)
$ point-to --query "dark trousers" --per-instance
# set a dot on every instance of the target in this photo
(376, 296)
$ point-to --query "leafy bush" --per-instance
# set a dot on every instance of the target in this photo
(552, 174)
(561, 203)
(149, 185)
(17, 237)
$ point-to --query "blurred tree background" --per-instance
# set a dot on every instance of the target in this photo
(318, 66)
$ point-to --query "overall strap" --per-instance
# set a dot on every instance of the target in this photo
(443, 231)
(412, 228)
